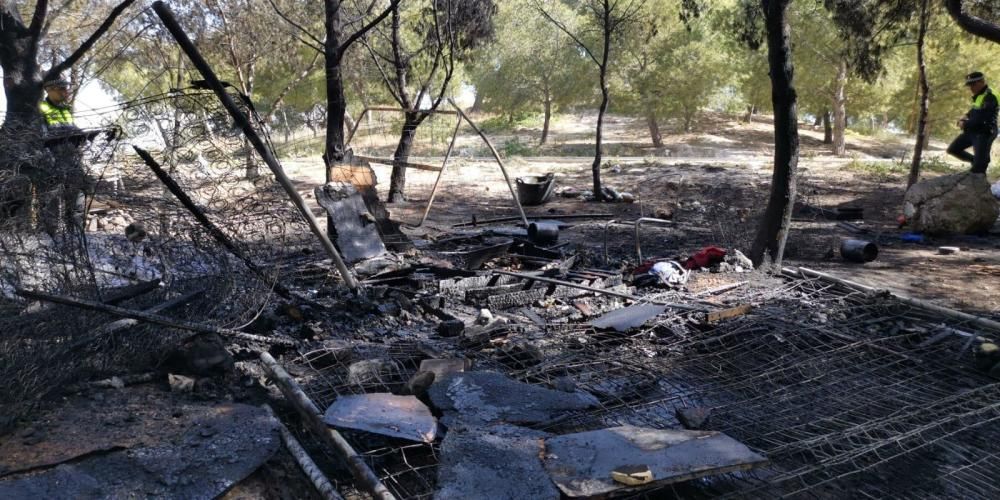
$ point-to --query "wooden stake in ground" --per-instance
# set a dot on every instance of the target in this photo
(167, 16)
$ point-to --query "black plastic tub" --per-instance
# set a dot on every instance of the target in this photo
(535, 189)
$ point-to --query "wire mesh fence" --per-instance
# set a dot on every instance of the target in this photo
(128, 228)
(839, 389)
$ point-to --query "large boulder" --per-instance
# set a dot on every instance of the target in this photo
(951, 204)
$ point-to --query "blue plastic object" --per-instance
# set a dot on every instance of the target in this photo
(912, 237)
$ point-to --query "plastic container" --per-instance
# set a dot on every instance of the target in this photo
(535, 189)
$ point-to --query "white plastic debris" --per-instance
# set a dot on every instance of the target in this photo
(670, 272)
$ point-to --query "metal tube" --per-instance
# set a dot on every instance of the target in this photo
(305, 462)
(638, 224)
(503, 169)
(447, 155)
(330, 437)
(167, 16)
(606, 225)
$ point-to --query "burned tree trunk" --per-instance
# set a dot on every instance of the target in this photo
(827, 128)
(336, 102)
(403, 148)
(773, 230)
(922, 135)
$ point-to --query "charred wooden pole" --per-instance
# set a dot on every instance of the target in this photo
(147, 317)
(167, 16)
(330, 437)
(203, 219)
(305, 462)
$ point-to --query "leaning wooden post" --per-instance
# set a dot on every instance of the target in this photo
(330, 437)
(167, 16)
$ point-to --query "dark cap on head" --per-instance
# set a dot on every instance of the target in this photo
(974, 77)
(56, 83)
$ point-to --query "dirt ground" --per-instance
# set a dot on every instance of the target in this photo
(715, 182)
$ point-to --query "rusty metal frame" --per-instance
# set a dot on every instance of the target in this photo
(432, 168)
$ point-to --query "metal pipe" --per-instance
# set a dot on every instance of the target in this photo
(503, 169)
(167, 16)
(606, 226)
(330, 437)
(638, 224)
(447, 155)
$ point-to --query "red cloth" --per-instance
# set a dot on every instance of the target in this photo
(707, 257)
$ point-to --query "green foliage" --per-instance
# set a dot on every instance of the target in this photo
(514, 147)
(529, 62)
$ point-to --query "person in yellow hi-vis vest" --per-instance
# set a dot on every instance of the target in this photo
(979, 125)
(66, 182)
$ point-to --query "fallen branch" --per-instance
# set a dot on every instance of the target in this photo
(330, 437)
(553, 217)
(149, 317)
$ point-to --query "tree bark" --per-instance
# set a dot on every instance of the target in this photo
(840, 110)
(922, 136)
(772, 233)
(397, 181)
(654, 130)
(546, 122)
(336, 102)
(827, 127)
(605, 100)
(972, 24)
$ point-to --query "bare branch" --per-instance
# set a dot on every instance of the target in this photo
(364, 29)
(562, 27)
(385, 76)
(972, 24)
(288, 88)
(89, 42)
(315, 43)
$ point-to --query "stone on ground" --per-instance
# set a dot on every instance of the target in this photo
(951, 204)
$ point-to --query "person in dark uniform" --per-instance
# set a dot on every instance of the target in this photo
(979, 125)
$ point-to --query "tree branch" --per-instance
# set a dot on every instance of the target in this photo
(38, 18)
(88, 43)
(564, 29)
(972, 24)
(316, 41)
(364, 29)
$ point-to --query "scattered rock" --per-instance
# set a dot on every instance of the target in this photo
(694, 418)
(666, 213)
(135, 232)
(180, 383)
(951, 204)
(627, 198)
(948, 250)
(419, 383)
(450, 328)
(485, 317)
